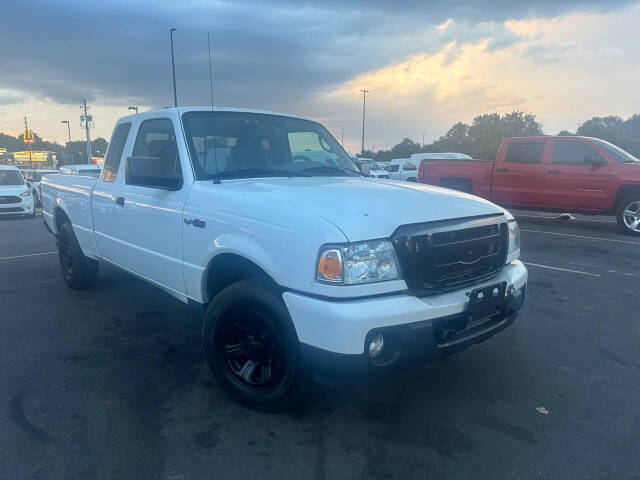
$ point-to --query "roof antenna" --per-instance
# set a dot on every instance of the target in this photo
(213, 120)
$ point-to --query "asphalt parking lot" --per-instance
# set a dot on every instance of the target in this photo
(111, 382)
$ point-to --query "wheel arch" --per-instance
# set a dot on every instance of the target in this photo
(227, 268)
(59, 217)
(623, 192)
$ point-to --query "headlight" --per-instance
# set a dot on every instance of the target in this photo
(26, 193)
(357, 263)
(514, 241)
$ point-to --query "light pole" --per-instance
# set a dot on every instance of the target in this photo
(134, 109)
(173, 68)
(364, 103)
(342, 136)
(69, 133)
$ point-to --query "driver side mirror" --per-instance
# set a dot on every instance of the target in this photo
(594, 160)
(28, 184)
(365, 169)
(153, 172)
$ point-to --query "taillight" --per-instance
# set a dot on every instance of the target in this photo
(420, 172)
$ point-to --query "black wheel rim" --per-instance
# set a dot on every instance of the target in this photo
(250, 349)
(66, 255)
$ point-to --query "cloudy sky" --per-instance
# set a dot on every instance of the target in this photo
(427, 65)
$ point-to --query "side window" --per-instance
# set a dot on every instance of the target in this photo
(525, 152)
(156, 139)
(572, 152)
(409, 166)
(392, 168)
(114, 152)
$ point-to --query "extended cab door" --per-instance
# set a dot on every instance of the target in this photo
(577, 177)
(148, 224)
(518, 175)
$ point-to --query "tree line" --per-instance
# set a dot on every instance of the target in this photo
(481, 139)
(71, 152)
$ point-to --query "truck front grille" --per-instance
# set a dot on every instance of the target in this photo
(9, 199)
(440, 256)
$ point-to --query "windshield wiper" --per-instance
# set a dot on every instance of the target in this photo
(330, 169)
(256, 172)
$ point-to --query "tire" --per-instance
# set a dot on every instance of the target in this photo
(412, 179)
(79, 271)
(251, 346)
(626, 223)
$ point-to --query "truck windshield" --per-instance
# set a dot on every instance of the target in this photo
(616, 152)
(245, 145)
(10, 177)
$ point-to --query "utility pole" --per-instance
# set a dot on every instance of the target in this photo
(86, 120)
(173, 68)
(342, 136)
(364, 103)
(423, 140)
(26, 141)
(134, 109)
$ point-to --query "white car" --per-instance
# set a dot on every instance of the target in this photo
(403, 169)
(297, 260)
(34, 176)
(375, 170)
(16, 196)
(88, 169)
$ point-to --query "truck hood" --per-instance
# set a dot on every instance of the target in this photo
(364, 208)
(12, 189)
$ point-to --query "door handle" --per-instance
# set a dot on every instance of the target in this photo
(502, 170)
(554, 171)
(120, 201)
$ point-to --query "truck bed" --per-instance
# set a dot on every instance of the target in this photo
(471, 176)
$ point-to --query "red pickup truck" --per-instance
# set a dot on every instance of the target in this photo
(558, 174)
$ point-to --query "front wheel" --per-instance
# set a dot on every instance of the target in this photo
(251, 345)
(78, 271)
(628, 215)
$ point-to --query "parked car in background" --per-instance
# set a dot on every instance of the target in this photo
(375, 170)
(418, 157)
(293, 257)
(34, 176)
(88, 169)
(403, 169)
(16, 197)
(558, 174)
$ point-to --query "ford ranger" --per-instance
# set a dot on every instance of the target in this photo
(558, 174)
(300, 262)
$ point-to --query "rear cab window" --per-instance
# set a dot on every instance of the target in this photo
(528, 152)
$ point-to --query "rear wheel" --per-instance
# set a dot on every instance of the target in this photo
(251, 345)
(78, 271)
(628, 215)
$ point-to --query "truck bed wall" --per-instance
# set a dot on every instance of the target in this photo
(71, 194)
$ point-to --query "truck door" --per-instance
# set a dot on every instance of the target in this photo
(103, 202)
(148, 226)
(577, 177)
(519, 180)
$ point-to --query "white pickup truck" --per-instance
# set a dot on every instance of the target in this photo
(299, 261)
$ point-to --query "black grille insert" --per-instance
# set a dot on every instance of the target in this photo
(442, 256)
(9, 199)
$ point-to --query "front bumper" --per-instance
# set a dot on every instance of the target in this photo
(335, 334)
(24, 207)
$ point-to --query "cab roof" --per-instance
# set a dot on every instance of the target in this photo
(181, 110)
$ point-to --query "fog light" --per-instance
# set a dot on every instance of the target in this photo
(376, 346)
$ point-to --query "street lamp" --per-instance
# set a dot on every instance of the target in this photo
(364, 103)
(173, 68)
(69, 133)
(134, 109)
